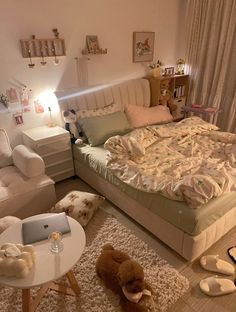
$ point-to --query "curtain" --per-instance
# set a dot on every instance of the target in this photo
(211, 57)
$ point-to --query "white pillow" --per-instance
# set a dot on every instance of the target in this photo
(140, 116)
(5, 150)
(79, 205)
(27, 161)
(109, 109)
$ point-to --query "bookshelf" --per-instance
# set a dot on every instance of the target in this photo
(178, 86)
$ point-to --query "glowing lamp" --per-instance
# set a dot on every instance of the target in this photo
(49, 101)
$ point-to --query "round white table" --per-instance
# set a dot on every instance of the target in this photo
(48, 266)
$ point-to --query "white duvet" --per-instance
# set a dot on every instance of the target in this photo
(186, 161)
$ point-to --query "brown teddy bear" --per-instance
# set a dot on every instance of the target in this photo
(125, 277)
(166, 97)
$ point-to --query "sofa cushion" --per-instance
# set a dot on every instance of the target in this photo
(79, 205)
(27, 161)
(5, 150)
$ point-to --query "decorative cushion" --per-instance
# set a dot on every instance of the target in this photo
(5, 150)
(6, 222)
(139, 116)
(100, 128)
(79, 205)
(27, 161)
(101, 111)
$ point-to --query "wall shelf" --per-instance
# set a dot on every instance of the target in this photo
(99, 51)
(42, 47)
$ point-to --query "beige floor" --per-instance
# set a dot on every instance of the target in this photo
(194, 300)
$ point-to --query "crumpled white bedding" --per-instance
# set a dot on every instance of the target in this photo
(185, 161)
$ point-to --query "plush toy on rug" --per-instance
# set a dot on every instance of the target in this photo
(71, 126)
(125, 277)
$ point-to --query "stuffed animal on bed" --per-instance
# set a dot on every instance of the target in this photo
(166, 97)
(71, 125)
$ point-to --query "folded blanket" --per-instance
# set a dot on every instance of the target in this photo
(186, 161)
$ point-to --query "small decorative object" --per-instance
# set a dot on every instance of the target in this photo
(56, 33)
(180, 67)
(56, 61)
(155, 68)
(92, 44)
(16, 260)
(43, 62)
(56, 242)
(3, 99)
(18, 119)
(143, 46)
(169, 71)
(31, 64)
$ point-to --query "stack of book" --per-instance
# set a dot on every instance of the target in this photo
(179, 91)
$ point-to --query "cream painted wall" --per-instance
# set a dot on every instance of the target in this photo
(112, 20)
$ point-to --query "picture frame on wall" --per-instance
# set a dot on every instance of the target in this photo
(92, 44)
(143, 46)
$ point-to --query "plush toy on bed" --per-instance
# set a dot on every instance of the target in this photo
(71, 126)
(166, 98)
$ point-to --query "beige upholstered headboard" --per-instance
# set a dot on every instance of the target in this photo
(135, 92)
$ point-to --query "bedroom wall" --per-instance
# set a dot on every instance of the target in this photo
(112, 20)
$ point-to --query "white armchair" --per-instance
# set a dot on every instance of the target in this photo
(25, 190)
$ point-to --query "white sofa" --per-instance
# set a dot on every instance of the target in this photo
(25, 190)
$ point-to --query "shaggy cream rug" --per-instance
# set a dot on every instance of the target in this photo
(166, 282)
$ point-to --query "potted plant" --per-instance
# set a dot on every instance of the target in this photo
(155, 68)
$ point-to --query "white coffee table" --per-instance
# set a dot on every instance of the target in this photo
(48, 266)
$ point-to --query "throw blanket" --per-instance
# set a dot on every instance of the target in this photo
(186, 161)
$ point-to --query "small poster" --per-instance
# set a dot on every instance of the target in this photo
(12, 95)
(25, 103)
(38, 107)
(18, 119)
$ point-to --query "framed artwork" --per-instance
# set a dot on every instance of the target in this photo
(143, 46)
(169, 71)
(92, 43)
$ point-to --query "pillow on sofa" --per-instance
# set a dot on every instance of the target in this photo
(27, 161)
(79, 205)
(100, 128)
(5, 150)
(139, 116)
(7, 221)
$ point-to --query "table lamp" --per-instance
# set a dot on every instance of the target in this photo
(49, 101)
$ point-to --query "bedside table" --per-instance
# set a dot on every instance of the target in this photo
(54, 146)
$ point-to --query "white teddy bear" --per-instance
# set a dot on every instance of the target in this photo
(16, 259)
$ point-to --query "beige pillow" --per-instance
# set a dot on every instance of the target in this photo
(139, 116)
(79, 205)
(5, 150)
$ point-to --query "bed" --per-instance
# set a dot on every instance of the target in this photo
(187, 231)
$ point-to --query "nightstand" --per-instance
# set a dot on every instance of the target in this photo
(54, 146)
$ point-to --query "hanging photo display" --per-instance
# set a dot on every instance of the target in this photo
(18, 119)
(38, 107)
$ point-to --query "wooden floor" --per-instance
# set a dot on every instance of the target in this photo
(194, 300)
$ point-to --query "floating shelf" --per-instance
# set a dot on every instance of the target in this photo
(99, 51)
(42, 47)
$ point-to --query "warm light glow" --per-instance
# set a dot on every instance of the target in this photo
(100, 87)
(48, 99)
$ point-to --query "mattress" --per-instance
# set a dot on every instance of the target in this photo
(191, 221)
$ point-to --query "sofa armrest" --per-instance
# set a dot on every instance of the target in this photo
(27, 161)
